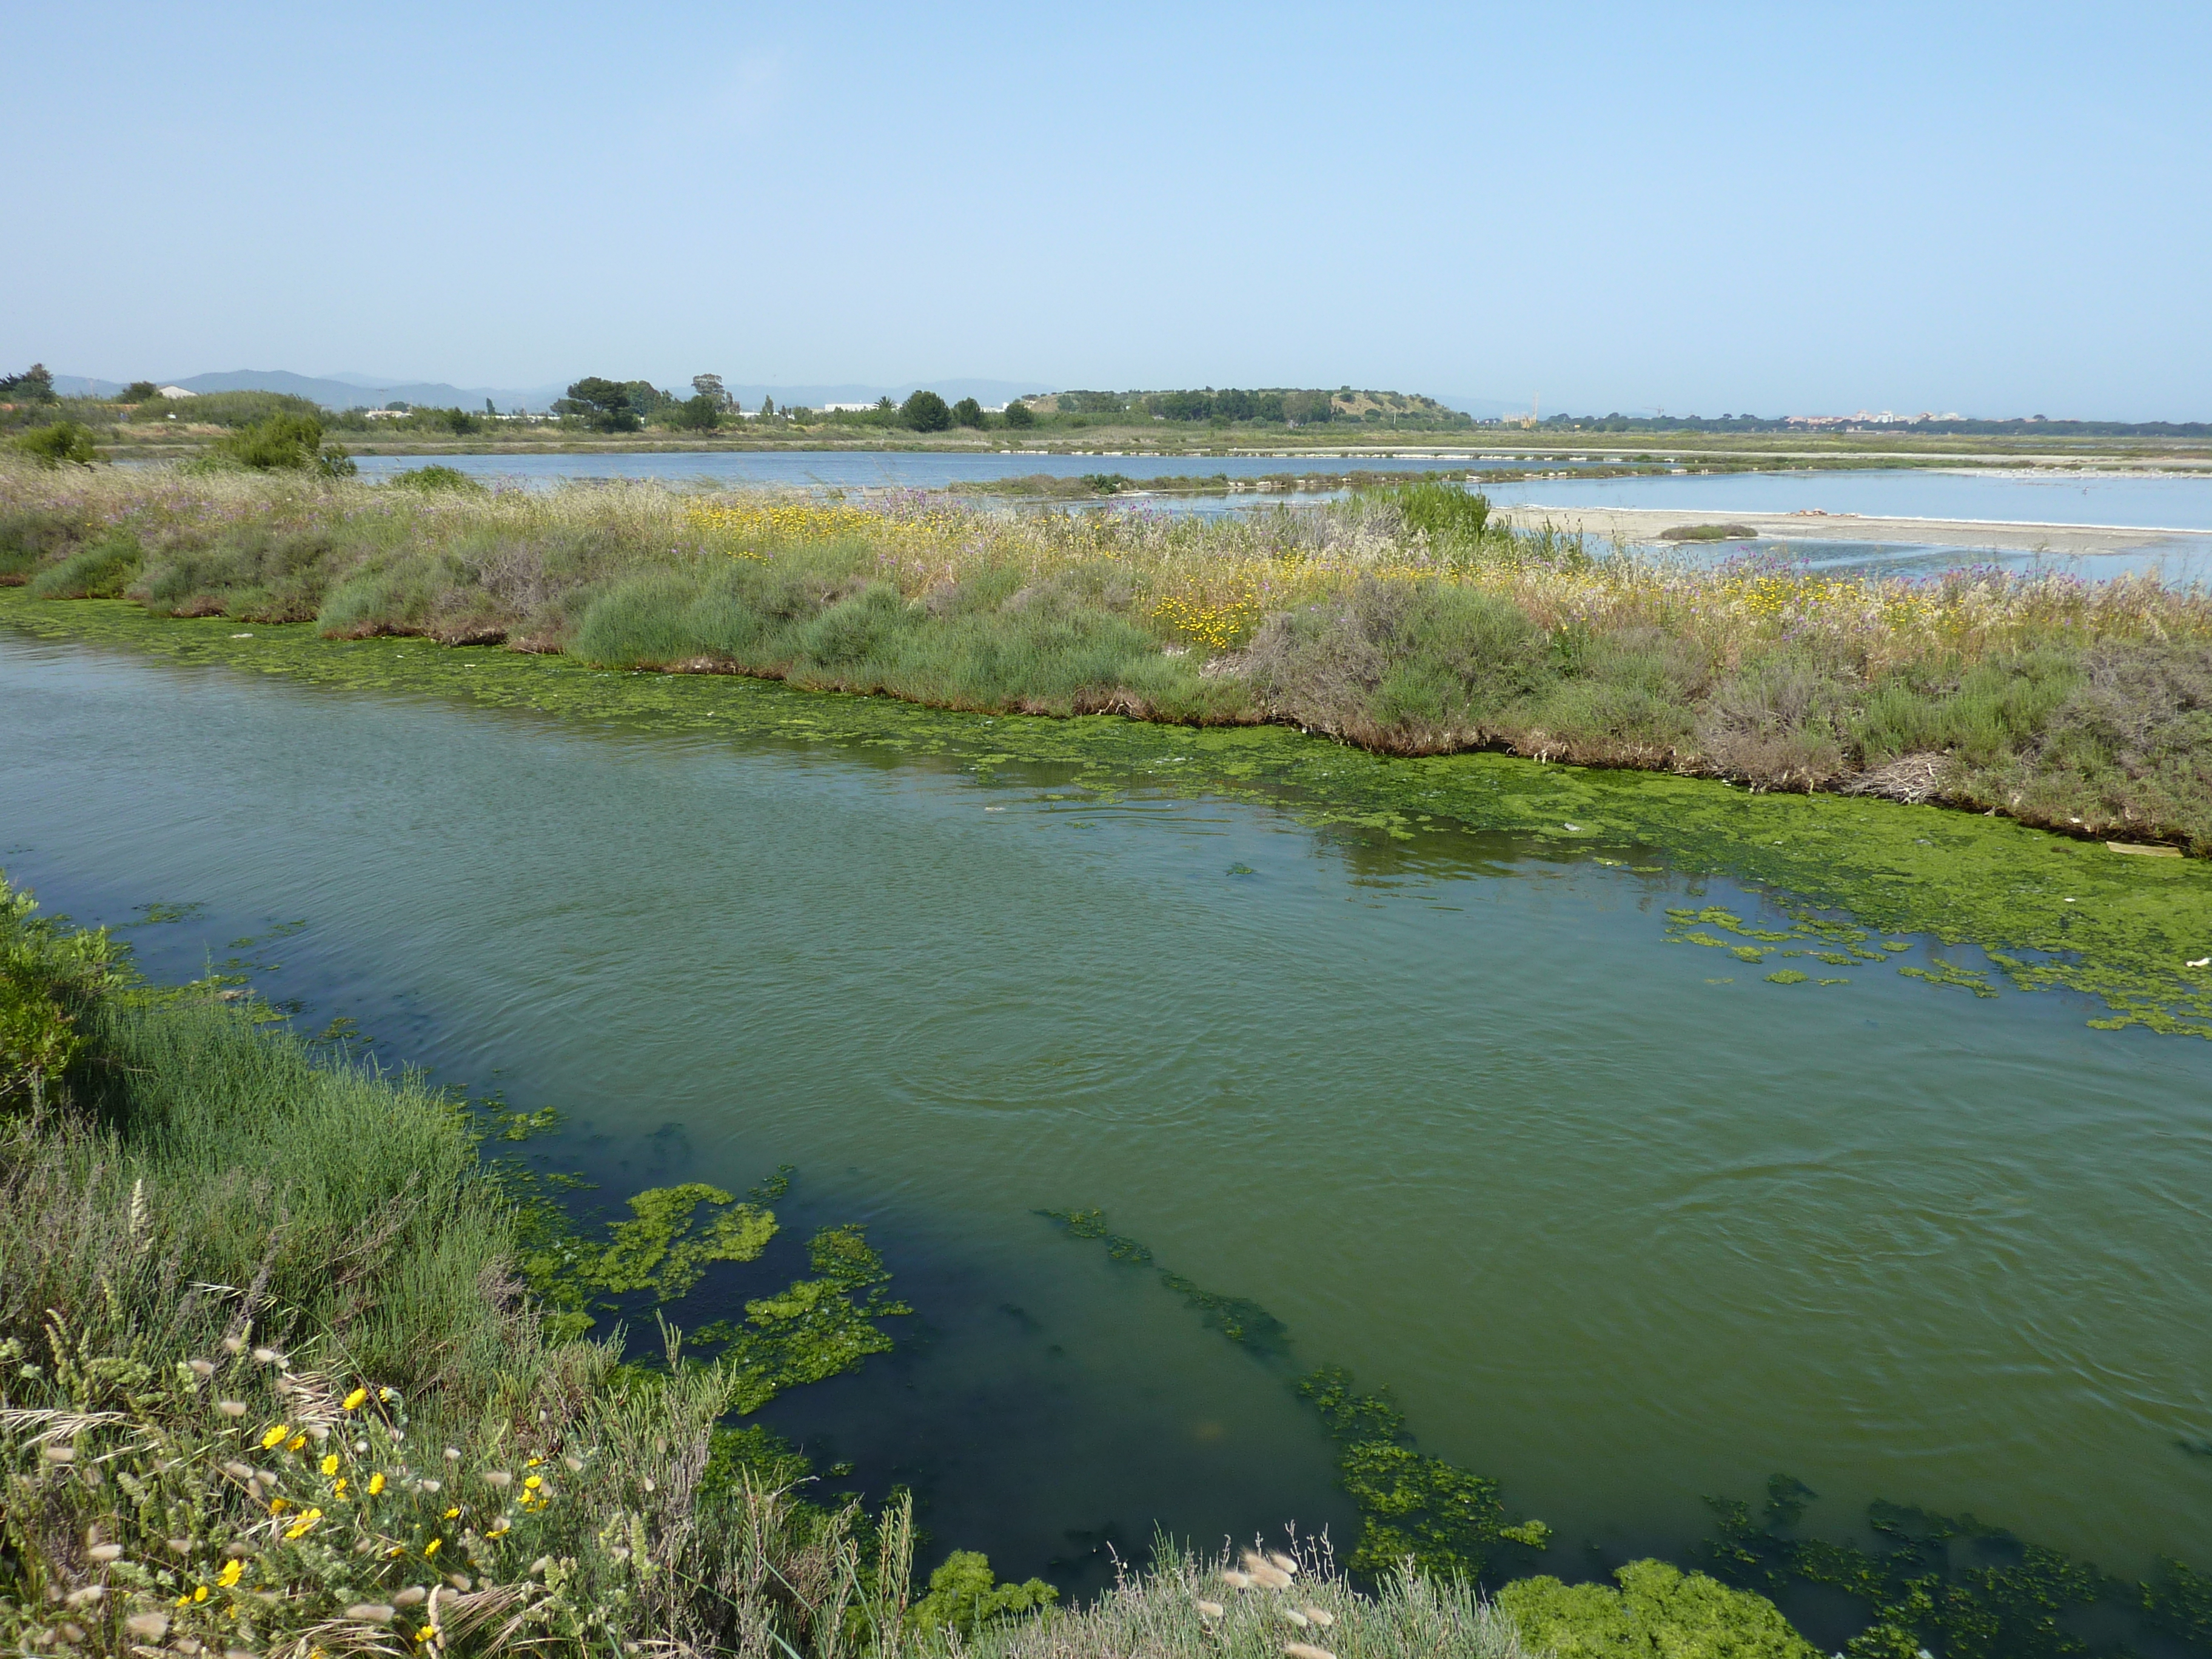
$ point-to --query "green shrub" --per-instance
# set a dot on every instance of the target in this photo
(857, 630)
(1019, 414)
(964, 1595)
(256, 572)
(1657, 1612)
(1408, 662)
(432, 479)
(35, 385)
(47, 976)
(101, 571)
(31, 535)
(1985, 714)
(968, 412)
(1779, 718)
(387, 598)
(283, 443)
(1443, 512)
(925, 411)
(603, 405)
(64, 443)
(700, 413)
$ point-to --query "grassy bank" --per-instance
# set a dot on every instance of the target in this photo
(280, 1377)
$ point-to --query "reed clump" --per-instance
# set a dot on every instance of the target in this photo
(1406, 619)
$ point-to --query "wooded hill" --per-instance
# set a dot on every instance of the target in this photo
(1294, 405)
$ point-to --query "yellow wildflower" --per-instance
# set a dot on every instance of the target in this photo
(274, 1435)
(533, 1482)
(376, 1483)
(431, 1549)
(199, 1592)
(276, 1506)
(230, 1572)
(338, 1487)
(453, 1513)
(307, 1518)
(295, 1443)
(330, 1464)
(353, 1401)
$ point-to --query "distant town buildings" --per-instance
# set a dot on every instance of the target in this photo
(1866, 417)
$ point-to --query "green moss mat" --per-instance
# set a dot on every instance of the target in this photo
(2055, 911)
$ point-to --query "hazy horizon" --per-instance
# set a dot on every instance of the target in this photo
(1986, 210)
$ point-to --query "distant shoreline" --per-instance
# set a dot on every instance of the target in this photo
(1640, 525)
(2189, 456)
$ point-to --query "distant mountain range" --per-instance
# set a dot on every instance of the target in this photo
(350, 389)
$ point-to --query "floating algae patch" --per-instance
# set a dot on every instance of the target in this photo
(818, 1326)
(2053, 913)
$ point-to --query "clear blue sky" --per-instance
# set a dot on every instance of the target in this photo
(2001, 209)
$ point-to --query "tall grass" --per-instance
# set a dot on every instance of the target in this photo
(1408, 620)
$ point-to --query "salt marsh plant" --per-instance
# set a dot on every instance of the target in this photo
(1409, 619)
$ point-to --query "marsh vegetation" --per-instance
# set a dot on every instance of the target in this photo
(1405, 619)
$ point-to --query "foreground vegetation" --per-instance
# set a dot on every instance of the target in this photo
(277, 1380)
(1405, 620)
(278, 1383)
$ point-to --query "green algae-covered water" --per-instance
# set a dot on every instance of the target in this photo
(1500, 1109)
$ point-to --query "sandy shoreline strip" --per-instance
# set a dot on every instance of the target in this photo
(1628, 525)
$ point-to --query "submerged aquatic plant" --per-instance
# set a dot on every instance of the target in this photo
(1951, 1585)
(1413, 1508)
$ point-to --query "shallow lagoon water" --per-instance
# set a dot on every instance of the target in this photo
(1619, 1221)
(867, 469)
(2170, 502)
(2181, 504)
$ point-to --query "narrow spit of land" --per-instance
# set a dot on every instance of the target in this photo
(2058, 913)
(173, 441)
(1623, 526)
